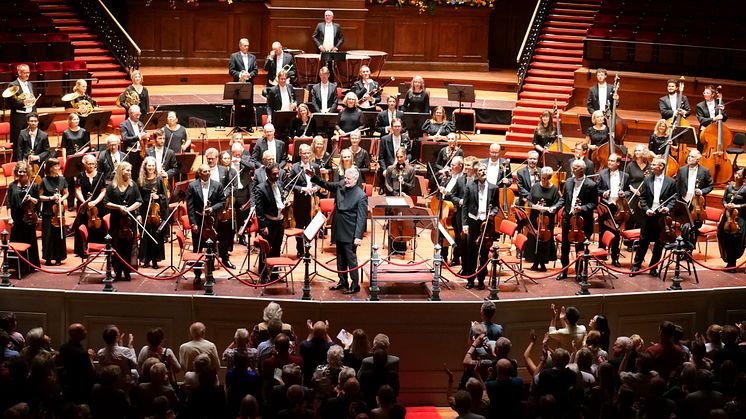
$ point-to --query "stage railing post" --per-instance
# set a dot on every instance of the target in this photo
(108, 280)
(5, 275)
(307, 277)
(437, 261)
(583, 271)
(678, 253)
(209, 267)
(375, 260)
(494, 288)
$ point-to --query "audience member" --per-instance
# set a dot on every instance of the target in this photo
(155, 349)
(239, 345)
(313, 349)
(463, 405)
(667, 356)
(188, 351)
(108, 399)
(8, 323)
(144, 394)
(357, 350)
(260, 331)
(116, 354)
(372, 379)
(571, 331)
(75, 366)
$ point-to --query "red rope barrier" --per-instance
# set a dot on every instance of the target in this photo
(712, 268)
(39, 268)
(405, 264)
(651, 267)
(342, 271)
(157, 278)
(553, 274)
(259, 285)
(467, 276)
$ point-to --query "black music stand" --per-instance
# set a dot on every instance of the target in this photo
(404, 88)
(73, 166)
(300, 95)
(282, 121)
(558, 160)
(238, 91)
(585, 123)
(157, 119)
(96, 123)
(414, 121)
(184, 162)
(330, 60)
(369, 121)
(684, 135)
(45, 121)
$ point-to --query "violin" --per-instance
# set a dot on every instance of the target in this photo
(94, 221)
(154, 214)
(731, 223)
(208, 226)
(623, 212)
(29, 212)
(125, 228)
(699, 214)
(542, 229)
(576, 233)
(59, 212)
(668, 230)
(226, 214)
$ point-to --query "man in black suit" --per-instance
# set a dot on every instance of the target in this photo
(274, 146)
(349, 222)
(328, 35)
(242, 67)
(581, 153)
(708, 110)
(498, 168)
(598, 91)
(260, 173)
(480, 202)
(198, 207)
(303, 191)
(324, 96)
(21, 104)
(269, 205)
(453, 191)
(133, 132)
(279, 60)
(226, 178)
(527, 176)
(392, 142)
(580, 198)
(667, 104)
(109, 159)
(165, 159)
(613, 185)
(242, 164)
(657, 199)
(280, 97)
(384, 118)
(693, 179)
(34, 142)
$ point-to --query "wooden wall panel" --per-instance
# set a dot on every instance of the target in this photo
(210, 35)
(171, 35)
(410, 41)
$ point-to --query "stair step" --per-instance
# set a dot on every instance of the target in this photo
(68, 22)
(519, 136)
(526, 129)
(553, 66)
(570, 18)
(112, 83)
(535, 72)
(565, 31)
(547, 96)
(109, 91)
(573, 11)
(45, 8)
(82, 37)
(104, 67)
(98, 59)
(109, 75)
(524, 120)
(562, 38)
(569, 25)
(88, 44)
(545, 43)
(61, 15)
(91, 51)
(532, 113)
(559, 52)
(570, 5)
(548, 81)
(540, 104)
(73, 29)
(543, 88)
(558, 59)
(111, 101)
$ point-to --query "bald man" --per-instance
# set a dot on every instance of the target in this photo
(278, 60)
(205, 198)
(78, 372)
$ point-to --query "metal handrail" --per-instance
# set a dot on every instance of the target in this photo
(528, 30)
(124, 32)
(530, 39)
(111, 33)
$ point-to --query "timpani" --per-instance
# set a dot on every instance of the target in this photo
(377, 59)
(307, 68)
(349, 70)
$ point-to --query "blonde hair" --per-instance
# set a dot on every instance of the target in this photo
(118, 179)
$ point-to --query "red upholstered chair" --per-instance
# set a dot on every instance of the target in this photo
(600, 253)
(59, 128)
(92, 251)
(326, 206)
(51, 70)
(632, 238)
(186, 258)
(709, 229)
(114, 122)
(15, 249)
(6, 148)
(273, 263)
(516, 262)
(507, 229)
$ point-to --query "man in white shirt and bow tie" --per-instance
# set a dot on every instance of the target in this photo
(242, 67)
(21, 105)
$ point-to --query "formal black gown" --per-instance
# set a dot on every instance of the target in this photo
(72, 141)
(21, 232)
(416, 102)
(300, 129)
(123, 245)
(149, 250)
(432, 128)
(53, 247)
(546, 251)
(91, 188)
(732, 245)
(175, 139)
(657, 144)
(636, 176)
(350, 119)
(361, 160)
(144, 102)
(598, 137)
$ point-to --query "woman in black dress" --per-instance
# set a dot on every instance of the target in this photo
(732, 244)
(360, 156)
(176, 136)
(51, 194)
(659, 138)
(417, 99)
(543, 198)
(123, 197)
(637, 169)
(75, 140)
(143, 99)
(154, 190)
(545, 133)
(598, 133)
(23, 231)
(351, 117)
(438, 127)
(90, 188)
(81, 91)
(319, 155)
(302, 125)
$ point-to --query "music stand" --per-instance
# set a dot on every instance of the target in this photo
(585, 123)
(558, 160)
(157, 119)
(369, 121)
(685, 135)
(96, 123)
(238, 91)
(73, 166)
(414, 121)
(330, 60)
(300, 95)
(184, 162)
(404, 88)
(461, 93)
(45, 120)
(282, 120)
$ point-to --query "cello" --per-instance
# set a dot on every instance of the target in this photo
(505, 198)
(443, 209)
(617, 131)
(715, 139)
(558, 145)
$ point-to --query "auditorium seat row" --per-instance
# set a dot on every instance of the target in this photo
(52, 46)
(49, 70)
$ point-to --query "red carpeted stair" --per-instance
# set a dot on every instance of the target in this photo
(557, 55)
(102, 65)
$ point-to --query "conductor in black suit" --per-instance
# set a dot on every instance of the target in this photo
(599, 91)
(349, 221)
(34, 142)
(480, 203)
(324, 96)
(242, 67)
(667, 104)
(580, 198)
(21, 104)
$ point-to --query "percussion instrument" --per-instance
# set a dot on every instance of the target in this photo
(307, 68)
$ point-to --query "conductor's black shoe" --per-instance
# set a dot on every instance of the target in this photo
(228, 263)
(352, 291)
(653, 272)
(561, 276)
(470, 285)
(339, 286)
(634, 270)
(615, 262)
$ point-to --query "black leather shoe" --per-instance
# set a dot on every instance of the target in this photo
(339, 286)
(634, 270)
(616, 263)
(561, 276)
(480, 286)
(155, 265)
(653, 272)
(470, 285)
(352, 291)
(228, 264)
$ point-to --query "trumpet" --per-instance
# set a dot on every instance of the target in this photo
(286, 68)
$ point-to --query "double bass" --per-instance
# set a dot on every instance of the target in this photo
(678, 120)
(505, 198)
(715, 139)
(558, 145)
(444, 210)
(617, 131)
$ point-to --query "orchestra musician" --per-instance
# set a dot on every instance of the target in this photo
(693, 179)
(732, 243)
(324, 94)
(303, 192)
(708, 111)
(637, 169)
(34, 143)
(52, 192)
(165, 160)
(598, 133)
(303, 125)
(360, 156)
(498, 168)
(204, 199)
(390, 143)
(438, 126)
(122, 198)
(600, 95)
(90, 188)
(656, 201)
(111, 157)
(133, 133)
(453, 191)
(350, 117)
(417, 99)
(527, 176)
(319, 155)
(242, 67)
(613, 185)
(349, 221)
(280, 97)
(153, 191)
(580, 199)
(242, 164)
(346, 162)
(384, 118)
(399, 179)
(469, 163)
(21, 105)
(543, 199)
(225, 177)
(366, 89)
(177, 137)
(581, 153)
(269, 143)
(23, 193)
(260, 174)
(659, 138)
(75, 139)
(269, 201)
(141, 92)
(328, 35)
(545, 133)
(81, 89)
(669, 103)
(480, 203)
(443, 160)
(279, 60)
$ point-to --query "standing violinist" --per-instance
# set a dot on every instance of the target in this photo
(271, 144)
(269, 201)
(693, 180)
(708, 110)
(598, 133)
(656, 200)
(637, 169)
(731, 241)
(498, 168)
(204, 200)
(123, 199)
(453, 190)
(445, 156)
(166, 165)
(480, 203)
(133, 134)
(600, 95)
(75, 140)
(544, 199)
(23, 195)
(670, 103)
(53, 196)
(527, 176)
(579, 200)
(90, 188)
(109, 159)
(226, 177)
(613, 185)
(153, 191)
(303, 192)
